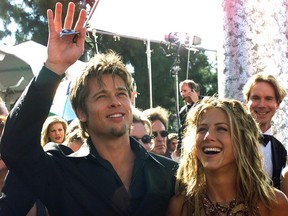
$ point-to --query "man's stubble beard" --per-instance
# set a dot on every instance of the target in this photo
(119, 133)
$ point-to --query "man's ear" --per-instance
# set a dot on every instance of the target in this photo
(81, 115)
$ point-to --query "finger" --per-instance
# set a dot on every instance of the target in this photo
(58, 17)
(81, 37)
(81, 20)
(51, 26)
(69, 16)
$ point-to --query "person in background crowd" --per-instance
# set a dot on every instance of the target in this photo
(172, 142)
(74, 137)
(111, 174)
(141, 129)
(54, 130)
(3, 116)
(221, 170)
(190, 94)
(158, 116)
(2, 123)
(3, 168)
(263, 95)
(3, 108)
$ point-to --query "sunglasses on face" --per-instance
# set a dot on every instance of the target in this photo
(145, 139)
(162, 133)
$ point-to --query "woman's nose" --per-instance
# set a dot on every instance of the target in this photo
(209, 135)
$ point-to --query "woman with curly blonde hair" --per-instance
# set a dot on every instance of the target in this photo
(221, 171)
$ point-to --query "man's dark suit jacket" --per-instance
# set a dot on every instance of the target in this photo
(279, 158)
(182, 116)
(81, 183)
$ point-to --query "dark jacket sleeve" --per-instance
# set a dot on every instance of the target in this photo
(279, 159)
(16, 198)
(20, 143)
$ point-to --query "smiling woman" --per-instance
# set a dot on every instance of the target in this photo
(221, 171)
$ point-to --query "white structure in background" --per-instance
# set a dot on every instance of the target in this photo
(15, 74)
(255, 40)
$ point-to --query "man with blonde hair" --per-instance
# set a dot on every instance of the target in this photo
(263, 95)
(111, 174)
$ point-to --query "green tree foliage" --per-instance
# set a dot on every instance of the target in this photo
(30, 17)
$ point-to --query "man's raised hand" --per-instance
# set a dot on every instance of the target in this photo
(63, 51)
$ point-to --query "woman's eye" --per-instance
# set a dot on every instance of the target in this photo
(201, 130)
(222, 129)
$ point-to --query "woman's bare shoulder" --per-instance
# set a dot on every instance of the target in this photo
(280, 208)
(175, 206)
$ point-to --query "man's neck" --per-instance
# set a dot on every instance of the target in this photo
(119, 154)
(112, 148)
(265, 129)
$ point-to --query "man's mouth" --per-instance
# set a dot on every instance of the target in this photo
(260, 113)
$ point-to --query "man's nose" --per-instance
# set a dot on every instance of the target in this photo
(262, 102)
(115, 101)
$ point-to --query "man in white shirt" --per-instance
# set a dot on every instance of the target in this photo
(263, 95)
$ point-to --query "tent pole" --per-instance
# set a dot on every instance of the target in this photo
(148, 53)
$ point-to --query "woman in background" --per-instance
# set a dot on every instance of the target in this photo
(54, 130)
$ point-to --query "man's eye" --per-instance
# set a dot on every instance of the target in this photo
(254, 98)
(123, 94)
(100, 96)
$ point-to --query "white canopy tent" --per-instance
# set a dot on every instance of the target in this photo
(15, 74)
(18, 65)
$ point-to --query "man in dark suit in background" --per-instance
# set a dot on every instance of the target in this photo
(190, 93)
(263, 95)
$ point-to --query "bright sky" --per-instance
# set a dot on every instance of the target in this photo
(156, 18)
(8, 40)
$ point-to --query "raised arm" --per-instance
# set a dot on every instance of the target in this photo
(21, 137)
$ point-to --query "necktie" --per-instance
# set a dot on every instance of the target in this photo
(265, 139)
